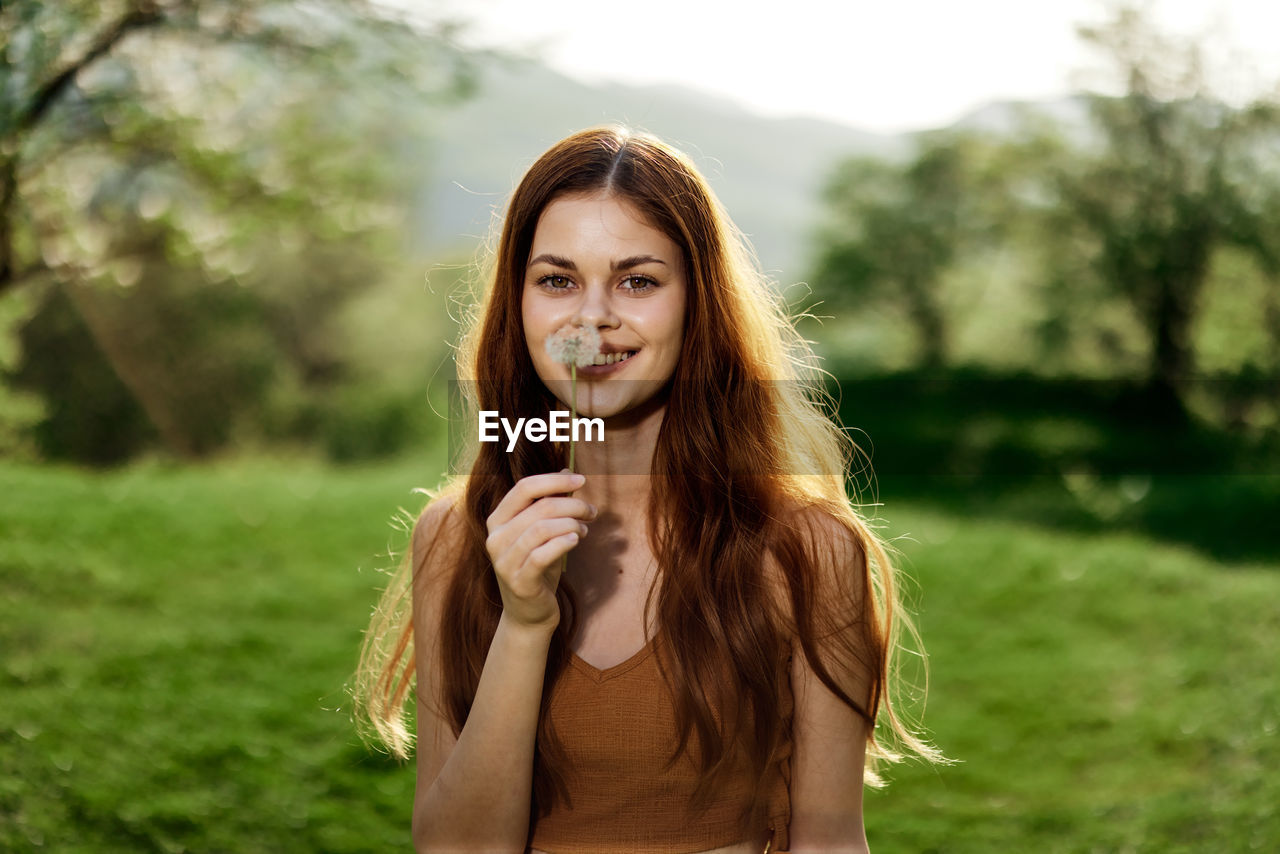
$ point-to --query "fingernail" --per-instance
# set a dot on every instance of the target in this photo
(583, 528)
(579, 479)
(595, 511)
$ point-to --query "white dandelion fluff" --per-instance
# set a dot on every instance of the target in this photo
(574, 345)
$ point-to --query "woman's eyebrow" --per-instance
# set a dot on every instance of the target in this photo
(621, 264)
(555, 261)
(636, 261)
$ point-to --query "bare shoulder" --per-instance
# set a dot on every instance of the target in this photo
(826, 600)
(827, 547)
(439, 524)
(441, 517)
(437, 538)
(832, 534)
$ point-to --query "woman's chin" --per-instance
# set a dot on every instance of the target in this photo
(620, 399)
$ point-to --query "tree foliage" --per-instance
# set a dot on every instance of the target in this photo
(213, 176)
(895, 228)
(1169, 175)
(1118, 209)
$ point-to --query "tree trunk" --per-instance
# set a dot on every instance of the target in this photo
(139, 371)
(1172, 358)
(930, 325)
(8, 197)
(1271, 315)
(1171, 323)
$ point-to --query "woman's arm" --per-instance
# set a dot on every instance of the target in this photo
(474, 791)
(830, 739)
(826, 770)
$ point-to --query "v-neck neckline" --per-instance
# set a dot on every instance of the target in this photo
(599, 675)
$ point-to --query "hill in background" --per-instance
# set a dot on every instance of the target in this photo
(767, 172)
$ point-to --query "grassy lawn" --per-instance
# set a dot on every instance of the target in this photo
(1103, 691)
(176, 642)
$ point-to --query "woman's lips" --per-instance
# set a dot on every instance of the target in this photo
(606, 370)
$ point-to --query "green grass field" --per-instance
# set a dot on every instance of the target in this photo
(176, 642)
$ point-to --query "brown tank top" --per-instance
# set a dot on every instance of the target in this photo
(617, 729)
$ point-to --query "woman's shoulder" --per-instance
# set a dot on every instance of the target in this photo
(817, 554)
(438, 535)
(441, 515)
(831, 536)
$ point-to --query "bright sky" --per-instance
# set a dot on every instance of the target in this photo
(881, 66)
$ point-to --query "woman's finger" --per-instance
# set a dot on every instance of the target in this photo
(502, 537)
(521, 556)
(530, 489)
(549, 553)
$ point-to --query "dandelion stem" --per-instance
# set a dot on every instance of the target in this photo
(573, 415)
(573, 406)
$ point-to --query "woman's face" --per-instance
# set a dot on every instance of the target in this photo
(595, 261)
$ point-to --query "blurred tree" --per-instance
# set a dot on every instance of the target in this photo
(1169, 175)
(151, 150)
(92, 417)
(894, 229)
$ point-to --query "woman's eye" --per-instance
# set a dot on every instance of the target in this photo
(639, 283)
(555, 283)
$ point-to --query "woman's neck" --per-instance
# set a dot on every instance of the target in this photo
(618, 469)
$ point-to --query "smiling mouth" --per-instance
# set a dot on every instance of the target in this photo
(612, 358)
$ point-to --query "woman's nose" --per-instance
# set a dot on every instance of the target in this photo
(596, 308)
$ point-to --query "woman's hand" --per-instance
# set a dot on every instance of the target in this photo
(534, 525)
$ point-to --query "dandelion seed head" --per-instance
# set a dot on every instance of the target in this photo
(571, 344)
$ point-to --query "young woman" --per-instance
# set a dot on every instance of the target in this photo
(688, 645)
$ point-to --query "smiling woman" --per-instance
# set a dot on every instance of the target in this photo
(597, 262)
(711, 668)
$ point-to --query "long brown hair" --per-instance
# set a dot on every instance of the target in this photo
(748, 440)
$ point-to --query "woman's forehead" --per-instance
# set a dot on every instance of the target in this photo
(599, 225)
